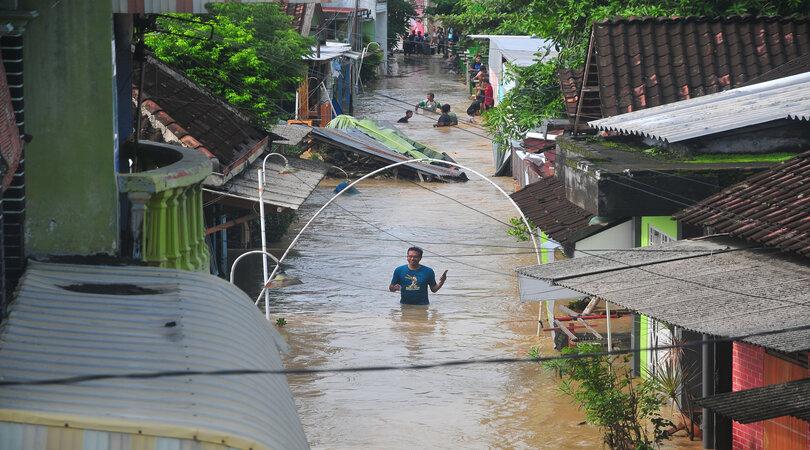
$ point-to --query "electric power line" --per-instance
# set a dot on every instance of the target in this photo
(384, 368)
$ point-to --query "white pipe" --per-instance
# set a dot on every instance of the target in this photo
(297, 100)
(260, 178)
(264, 161)
(233, 266)
(610, 336)
(390, 166)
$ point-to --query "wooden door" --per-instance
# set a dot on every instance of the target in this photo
(784, 433)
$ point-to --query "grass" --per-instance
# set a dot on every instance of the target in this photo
(740, 158)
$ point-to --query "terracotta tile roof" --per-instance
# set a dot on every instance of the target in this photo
(772, 208)
(197, 118)
(544, 202)
(644, 62)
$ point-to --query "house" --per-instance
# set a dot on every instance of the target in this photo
(642, 62)
(756, 322)
(641, 169)
(116, 264)
(357, 23)
(175, 110)
(772, 210)
(327, 92)
(505, 53)
(516, 51)
(305, 15)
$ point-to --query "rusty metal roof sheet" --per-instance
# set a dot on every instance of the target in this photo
(771, 208)
(763, 403)
(784, 98)
(71, 320)
(282, 188)
(544, 202)
(356, 141)
(715, 285)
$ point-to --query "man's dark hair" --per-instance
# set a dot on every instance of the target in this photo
(430, 94)
(446, 108)
(416, 249)
(408, 111)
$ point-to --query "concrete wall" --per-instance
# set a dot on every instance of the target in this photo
(72, 205)
(615, 237)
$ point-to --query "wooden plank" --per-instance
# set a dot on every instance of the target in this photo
(565, 330)
(575, 315)
(230, 223)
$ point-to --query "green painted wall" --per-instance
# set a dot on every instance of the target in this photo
(668, 226)
(545, 256)
(72, 205)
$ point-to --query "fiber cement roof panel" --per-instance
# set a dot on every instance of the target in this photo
(714, 285)
(763, 403)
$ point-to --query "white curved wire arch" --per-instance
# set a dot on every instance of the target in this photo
(370, 174)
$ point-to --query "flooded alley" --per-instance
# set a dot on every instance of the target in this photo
(344, 316)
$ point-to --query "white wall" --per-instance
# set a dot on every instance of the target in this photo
(618, 237)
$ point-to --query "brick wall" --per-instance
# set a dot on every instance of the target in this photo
(748, 371)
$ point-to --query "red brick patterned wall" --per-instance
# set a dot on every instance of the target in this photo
(748, 370)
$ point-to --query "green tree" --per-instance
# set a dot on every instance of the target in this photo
(400, 13)
(625, 409)
(567, 23)
(254, 59)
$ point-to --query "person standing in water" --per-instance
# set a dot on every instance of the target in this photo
(412, 280)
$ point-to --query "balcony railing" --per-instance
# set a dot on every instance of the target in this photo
(166, 223)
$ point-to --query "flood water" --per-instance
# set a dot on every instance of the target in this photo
(344, 316)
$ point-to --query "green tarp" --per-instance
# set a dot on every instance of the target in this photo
(389, 137)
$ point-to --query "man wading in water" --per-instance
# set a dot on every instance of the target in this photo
(413, 279)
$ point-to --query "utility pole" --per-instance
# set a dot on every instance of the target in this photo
(356, 28)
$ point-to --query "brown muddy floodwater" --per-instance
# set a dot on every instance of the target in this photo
(343, 315)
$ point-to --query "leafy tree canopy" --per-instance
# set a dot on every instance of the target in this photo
(567, 23)
(400, 13)
(254, 59)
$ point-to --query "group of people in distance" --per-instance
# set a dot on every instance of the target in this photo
(446, 118)
(483, 99)
(484, 96)
(433, 42)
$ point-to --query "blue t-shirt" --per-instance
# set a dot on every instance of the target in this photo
(414, 284)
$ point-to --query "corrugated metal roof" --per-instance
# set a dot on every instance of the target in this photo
(772, 207)
(190, 321)
(356, 141)
(785, 98)
(769, 402)
(287, 190)
(699, 285)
